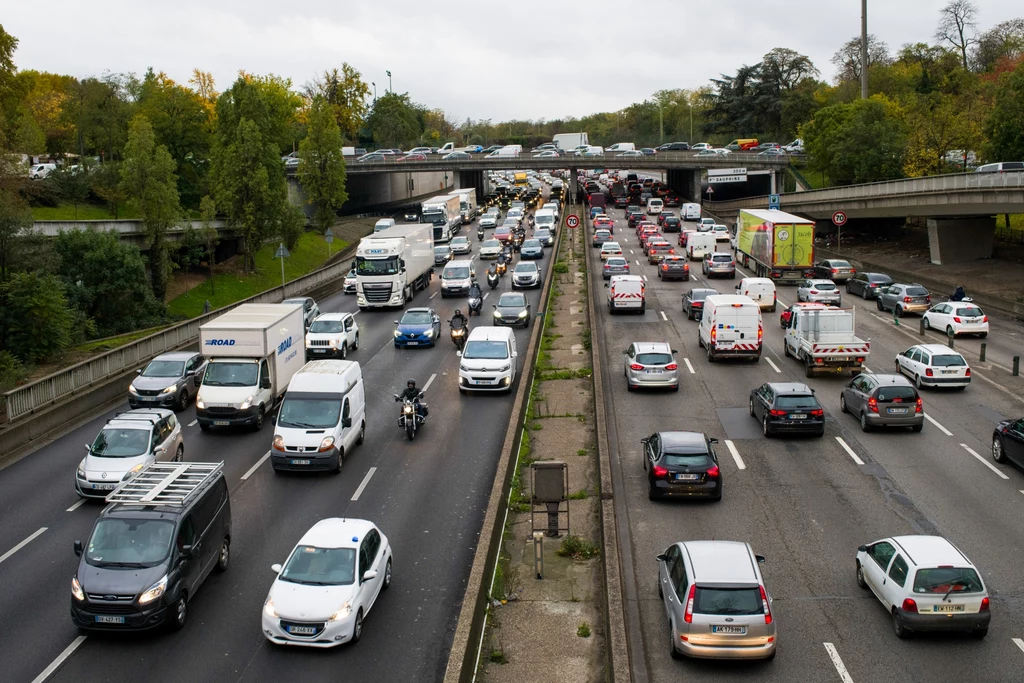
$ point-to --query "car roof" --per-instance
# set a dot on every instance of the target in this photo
(939, 349)
(176, 355)
(652, 347)
(421, 309)
(791, 388)
(890, 380)
(819, 279)
(336, 532)
(297, 300)
(721, 561)
(333, 316)
(694, 440)
(925, 550)
(142, 418)
(703, 290)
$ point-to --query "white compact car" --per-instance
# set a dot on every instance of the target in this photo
(926, 584)
(126, 444)
(934, 365)
(610, 249)
(956, 318)
(819, 291)
(490, 249)
(328, 585)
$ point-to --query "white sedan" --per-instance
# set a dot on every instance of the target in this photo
(958, 317)
(610, 249)
(490, 249)
(934, 365)
(820, 291)
(328, 585)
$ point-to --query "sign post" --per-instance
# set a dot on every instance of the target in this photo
(329, 236)
(839, 220)
(773, 202)
(281, 253)
(572, 221)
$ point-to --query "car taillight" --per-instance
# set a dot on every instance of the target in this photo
(814, 291)
(714, 472)
(873, 405)
(984, 319)
(929, 372)
(919, 408)
(984, 605)
(956, 319)
(607, 267)
(664, 266)
(928, 298)
(767, 608)
(818, 413)
(760, 334)
(659, 472)
(860, 359)
(714, 335)
(635, 366)
(697, 304)
(672, 366)
(688, 614)
(968, 373)
(906, 299)
(777, 413)
(909, 605)
(671, 251)
(834, 271)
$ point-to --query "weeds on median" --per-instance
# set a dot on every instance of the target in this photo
(583, 630)
(577, 548)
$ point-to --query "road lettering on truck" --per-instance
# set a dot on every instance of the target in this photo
(284, 346)
(220, 342)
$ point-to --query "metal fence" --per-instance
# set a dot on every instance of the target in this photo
(31, 397)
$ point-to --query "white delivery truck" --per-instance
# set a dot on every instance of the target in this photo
(322, 419)
(567, 142)
(691, 212)
(467, 204)
(700, 244)
(545, 217)
(393, 265)
(626, 293)
(823, 339)
(253, 352)
(730, 326)
(442, 212)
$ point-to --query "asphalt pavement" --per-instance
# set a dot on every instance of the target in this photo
(807, 503)
(428, 496)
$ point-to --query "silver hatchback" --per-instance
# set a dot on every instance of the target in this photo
(716, 601)
(650, 364)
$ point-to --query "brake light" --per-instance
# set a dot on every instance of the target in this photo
(909, 605)
(688, 614)
(659, 472)
(714, 472)
(984, 319)
(671, 251)
(956, 319)
(635, 366)
(928, 372)
(906, 299)
(860, 359)
(714, 334)
(920, 406)
(814, 291)
(777, 413)
(873, 405)
(760, 333)
(968, 374)
(984, 605)
(818, 413)
(928, 298)
(664, 266)
(607, 266)
(672, 366)
(834, 271)
(766, 606)
(853, 271)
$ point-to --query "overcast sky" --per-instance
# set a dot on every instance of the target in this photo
(471, 58)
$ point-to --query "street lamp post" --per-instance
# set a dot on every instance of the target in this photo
(374, 90)
(389, 81)
(661, 120)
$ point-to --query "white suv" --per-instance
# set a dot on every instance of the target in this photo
(332, 335)
(934, 365)
(926, 584)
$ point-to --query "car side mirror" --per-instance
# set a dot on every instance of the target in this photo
(675, 351)
(78, 548)
(661, 557)
(346, 422)
(186, 552)
(759, 558)
(139, 371)
(369, 575)
(713, 440)
(644, 440)
(88, 447)
(396, 322)
(190, 373)
(606, 285)
(276, 568)
(862, 548)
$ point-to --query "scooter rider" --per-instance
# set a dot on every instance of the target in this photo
(458, 320)
(475, 294)
(959, 294)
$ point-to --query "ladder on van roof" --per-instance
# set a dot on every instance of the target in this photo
(166, 483)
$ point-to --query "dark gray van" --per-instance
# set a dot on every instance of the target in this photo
(162, 534)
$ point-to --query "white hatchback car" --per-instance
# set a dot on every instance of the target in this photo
(819, 291)
(955, 318)
(926, 584)
(610, 249)
(490, 249)
(127, 443)
(328, 585)
(934, 365)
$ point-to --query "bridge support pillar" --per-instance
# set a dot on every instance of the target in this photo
(685, 182)
(955, 240)
(474, 179)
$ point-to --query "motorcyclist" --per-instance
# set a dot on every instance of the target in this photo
(959, 294)
(458, 320)
(492, 275)
(412, 393)
(475, 294)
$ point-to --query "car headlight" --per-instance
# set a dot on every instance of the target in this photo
(429, 333)
(268, 608)
(505, 368)
(463, 368)
(497, 313)
(154, 591)
(132, 472)
(522, 314)
(132, 390)
(76, 589)
(81, 469)
(342, 612)
(170, 390)
(326, 444)
(246, 403)
(397, 333)
(200, 404)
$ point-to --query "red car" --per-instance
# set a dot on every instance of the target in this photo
(413, 157)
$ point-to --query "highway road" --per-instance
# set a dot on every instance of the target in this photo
(807, 503)
(428, 496)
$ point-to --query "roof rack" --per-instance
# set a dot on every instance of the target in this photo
(152, 417)
(166, 483)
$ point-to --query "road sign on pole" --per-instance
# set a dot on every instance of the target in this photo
(281, 253)
(773, 202)
(839, 218)
(710, 190)
(572, 220)
(329, 237)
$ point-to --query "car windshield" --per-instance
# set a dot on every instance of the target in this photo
(541, 232)
(946, 579)
(230, 375)
(441, 250)
(970, 311)
(531, 243)
(314, 566)
(130, 543)
(948, 361)
(327, 327)
(917, 291)
(458, 241)
(796, 402)
(416, 318)
(384, 266)
(728, 601)
(486, 350)
(824, 286)
(164, 368)
(309, 413)
(654, 358)
(458, 273)
(611, 246)
(491, 244)
(118, 442)
(685, 459)
(893, 393)
(512, 300)
(526, 268)
(502, 230)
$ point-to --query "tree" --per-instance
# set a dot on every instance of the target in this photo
(1006, 120)
(202, 82)
(291, 225)
(208, 214)
(106, 184)
(1004, 41)
(8, 44)
(787, 68)
(190, 251)
(15, 221)
(267, 101)
(33, 302)
(859, 142)
(957, 26)
(149, 182)
(72, 184)
(322, 166)
(394, 121)
(847, 58)
(345, 92)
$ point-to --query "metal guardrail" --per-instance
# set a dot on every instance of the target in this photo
(124, 226)
(24, 400)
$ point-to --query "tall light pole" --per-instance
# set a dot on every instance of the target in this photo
(374, 90)
(864, 49)
(661, 120)
(690, 107)
(389, 78)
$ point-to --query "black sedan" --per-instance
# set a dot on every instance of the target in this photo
(512, 310)
(1008, 442)
(866, 285)
(683, 465)
(693, 302)
(787, 407)
(531, 249)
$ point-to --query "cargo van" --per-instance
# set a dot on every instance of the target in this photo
(489, 361)
(742, 144)
(761, 290)
(731, 327)
(322, 418)
(622, 147)
(544, 218)
(383, 224)
(654, 206)
(457, 277)
(691, 212)
(626, 293)
(700, 244)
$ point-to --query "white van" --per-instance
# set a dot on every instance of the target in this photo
(700, 244)
(591, 151)
(654, 206)
(626, 293)
(489, 361)
(544, 217)
(383, 224)
(456, 278)
(622, 147)
(731, 327)
(691, 212)
(761, 290)
(322, 418)
(40, 171)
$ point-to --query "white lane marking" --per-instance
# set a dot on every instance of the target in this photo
(193, 422)
(48, 671)
(485, 296)
(1019, 643)
(631, 251)
(357, 311)
(846, 447)
(771, 363)
(663, 316)
(77, 505)
(837, 662)
(22, 544)
(645, 278)
(427, 385)
(366, 480)
(983, 461)
(689, 366)
(637, 261)
(434, 294)
(941, 428)
(867, 369)
(735, 454)
(256, 466)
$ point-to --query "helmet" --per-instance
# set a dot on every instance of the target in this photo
(457, 312)
(411, 384)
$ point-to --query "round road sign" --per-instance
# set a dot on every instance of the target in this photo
(572, 220)
(839, 218)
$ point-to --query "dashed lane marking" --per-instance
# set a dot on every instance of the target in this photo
(694, 372)
(1017, 641)
(77, 505)
(849, 451)
(22, 544)
(772, 363)
(983, 461)
(193, 423)
(663, 316)
(55, 664)
(366, 480)
(255, 467)
(735, 455)
(427, 385)
(940, 427)
(837, 662)
(433, 295)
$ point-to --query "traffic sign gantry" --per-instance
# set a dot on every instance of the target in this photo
(572, 220)
(839, 218)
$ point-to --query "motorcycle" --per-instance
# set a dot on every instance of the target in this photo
(409, 418)
(492, 279)
(501, 268)
(459, 336)
(480, 234)
(476, 303)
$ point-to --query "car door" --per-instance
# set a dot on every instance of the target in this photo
(938, 315)
(350, 330)
(893, 586)
(803, 291)
(762, 401)
(875, 568)
(856, 394)
(668, 576)
(628, 355)
(1014, 442)
(190, 564)
(921, 361)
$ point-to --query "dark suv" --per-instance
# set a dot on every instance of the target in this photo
(787, 407)
(682, 464)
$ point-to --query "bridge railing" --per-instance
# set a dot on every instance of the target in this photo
(123, 226)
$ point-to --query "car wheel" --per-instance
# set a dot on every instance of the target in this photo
(842, 403)
(183, 400)
(258, 425)
(848, 291)
(925, 323)
(785, 350)
(878, 303)
(344, 350)
(711, 356)
(179, 455)
(180, 614)
(897, 626)
(899, 311)
(387, 576)
(339, 462)
(672, 643)
(949, 331)
(764, 428)
(357, 628)
(652, 492)
(917, 428)
(997, 450)
(204, 427)
(864, 426)
(860, 577)
(362, 432)
(224, 557)
(917, 382)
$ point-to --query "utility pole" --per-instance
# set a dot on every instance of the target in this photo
(374, 91)
(864, 49)
(389, 78)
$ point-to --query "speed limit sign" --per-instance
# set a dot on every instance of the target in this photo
(839, 218)
(572, 220)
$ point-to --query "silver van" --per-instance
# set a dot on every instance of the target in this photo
(716, 602)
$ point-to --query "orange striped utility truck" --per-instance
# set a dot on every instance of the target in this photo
(823, 339)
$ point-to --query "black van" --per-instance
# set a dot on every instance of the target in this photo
(162, 534)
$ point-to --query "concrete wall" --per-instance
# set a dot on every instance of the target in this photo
(393, 189)
(954, 240)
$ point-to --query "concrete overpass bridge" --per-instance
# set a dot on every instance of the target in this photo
(960, 208)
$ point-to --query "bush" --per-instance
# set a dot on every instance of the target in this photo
(583, 630)
(35, 323)
(578, 548)
(12, 371)
(561, 267)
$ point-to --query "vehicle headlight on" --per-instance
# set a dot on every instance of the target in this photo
(246, 403)
(397, 333)
(407, 409)
(132, 390)
(342, 612)
(268, 608)
(76, 589)
(497, 313)
(170, 390)
(522, 314)
(326, 444)
(154, 591)
(430, 334)
(200, 404)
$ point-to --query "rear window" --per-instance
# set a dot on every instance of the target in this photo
(722, 259)
(796, 402)
(728, 601)
(917, 291)
(654, 358)
(948, 361)
(685, 459)
(970, 311)
(840, 264)
(1013, 165)
(892, 393)
(942, 580)
(825, 286)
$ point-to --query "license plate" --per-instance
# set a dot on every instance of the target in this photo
(654, 372)
(736, 630)
(798, 416)
(483, 381)
(299, 462)
(302, 630)
(221, 423)
(949, 372)
(947, 608)
(109, 620)
(319, 350)
(687, 477)
(897, 411)
(103, 487)
(412, 343)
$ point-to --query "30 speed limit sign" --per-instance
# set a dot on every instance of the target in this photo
(572, 220)
(839, 218)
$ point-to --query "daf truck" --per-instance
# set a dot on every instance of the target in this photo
(443, 213)
(393, 265)
(467, 204)
(253, 350)
(775, 244)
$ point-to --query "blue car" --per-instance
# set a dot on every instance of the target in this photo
(418, 327)
(594, 210)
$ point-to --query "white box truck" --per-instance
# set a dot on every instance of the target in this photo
(700, 244)
(442, 212)
(467, 204)
(253, 352)
(567, 142)
(823, 339)
(391, 266)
